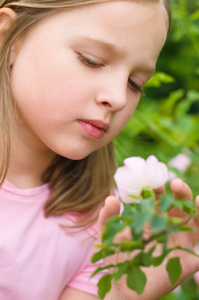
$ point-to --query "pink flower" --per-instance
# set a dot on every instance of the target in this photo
(180, 162)
(196, 277)
(138, 174)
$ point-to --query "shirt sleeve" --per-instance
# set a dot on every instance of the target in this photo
(82, 279)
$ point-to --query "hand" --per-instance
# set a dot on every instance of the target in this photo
(157, 278)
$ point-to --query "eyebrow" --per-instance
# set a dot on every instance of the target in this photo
(103, 44)
(111, 48)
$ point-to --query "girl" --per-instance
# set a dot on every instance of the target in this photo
(71, 77)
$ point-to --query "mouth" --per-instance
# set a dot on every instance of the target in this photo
(94, 128)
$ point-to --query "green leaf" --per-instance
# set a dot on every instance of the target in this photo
(101, 254)
(104, 285)
(187, 250)
(163, 238)
(141, 216)
(178, 203)
(122, 269)
(191, 94)
(148, 258)
(96, 271)
(187, 228)
(144, 259)
(136, 235)
(166, 203)
(113, 226)
(158, 79)
(137, 260)
(101, 269)
(174, 269)
(136, 280)
(195, 15)
(188, 206)
(158, 223)
(165, 78)
(159, 259)
(139, 221)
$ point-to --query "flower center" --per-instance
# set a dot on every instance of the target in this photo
(147, 192)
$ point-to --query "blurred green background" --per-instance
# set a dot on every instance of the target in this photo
(166, 122)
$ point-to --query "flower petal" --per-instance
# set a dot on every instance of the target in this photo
(137, 173)
(125, 182)
(156, 172)
(162, 175)
(136, 166)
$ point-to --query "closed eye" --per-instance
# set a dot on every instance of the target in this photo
(92, 64)
(88, 62)
(135, 86)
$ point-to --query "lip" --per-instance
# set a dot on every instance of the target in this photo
(94, 128)
(98, 123)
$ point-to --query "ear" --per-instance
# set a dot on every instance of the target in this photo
(7, 16)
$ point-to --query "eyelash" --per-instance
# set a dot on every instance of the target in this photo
(136, 86)
(90, 63)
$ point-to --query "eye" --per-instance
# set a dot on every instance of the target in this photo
(136, 86)
(88, 62)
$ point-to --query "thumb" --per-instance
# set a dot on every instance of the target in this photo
(110, 209)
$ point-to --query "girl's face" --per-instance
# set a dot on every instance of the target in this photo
(76, 76)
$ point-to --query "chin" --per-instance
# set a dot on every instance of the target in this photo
(77, 152)
(74, 156)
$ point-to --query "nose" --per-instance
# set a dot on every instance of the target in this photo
(112, 94)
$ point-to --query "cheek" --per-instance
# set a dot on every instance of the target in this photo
(125, 115)
(45, 86)
(132, 103)
(129, 110)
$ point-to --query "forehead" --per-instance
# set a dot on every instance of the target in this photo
(121, 23)
(117, 16)
(120, 12)
(133, 11)
(121, 15)
(125, 28)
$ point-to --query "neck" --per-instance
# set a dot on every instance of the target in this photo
(29, 159)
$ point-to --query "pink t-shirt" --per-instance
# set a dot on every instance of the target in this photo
(37, 257)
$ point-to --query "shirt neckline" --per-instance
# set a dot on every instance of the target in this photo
(42, 191)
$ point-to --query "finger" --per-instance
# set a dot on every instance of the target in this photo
(180, 189)
(110, 209)
(194, 222)
(196, 219)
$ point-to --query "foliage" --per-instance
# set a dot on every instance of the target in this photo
(188, 290)
(135, 215)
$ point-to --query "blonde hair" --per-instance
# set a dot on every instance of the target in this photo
(79, 186)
